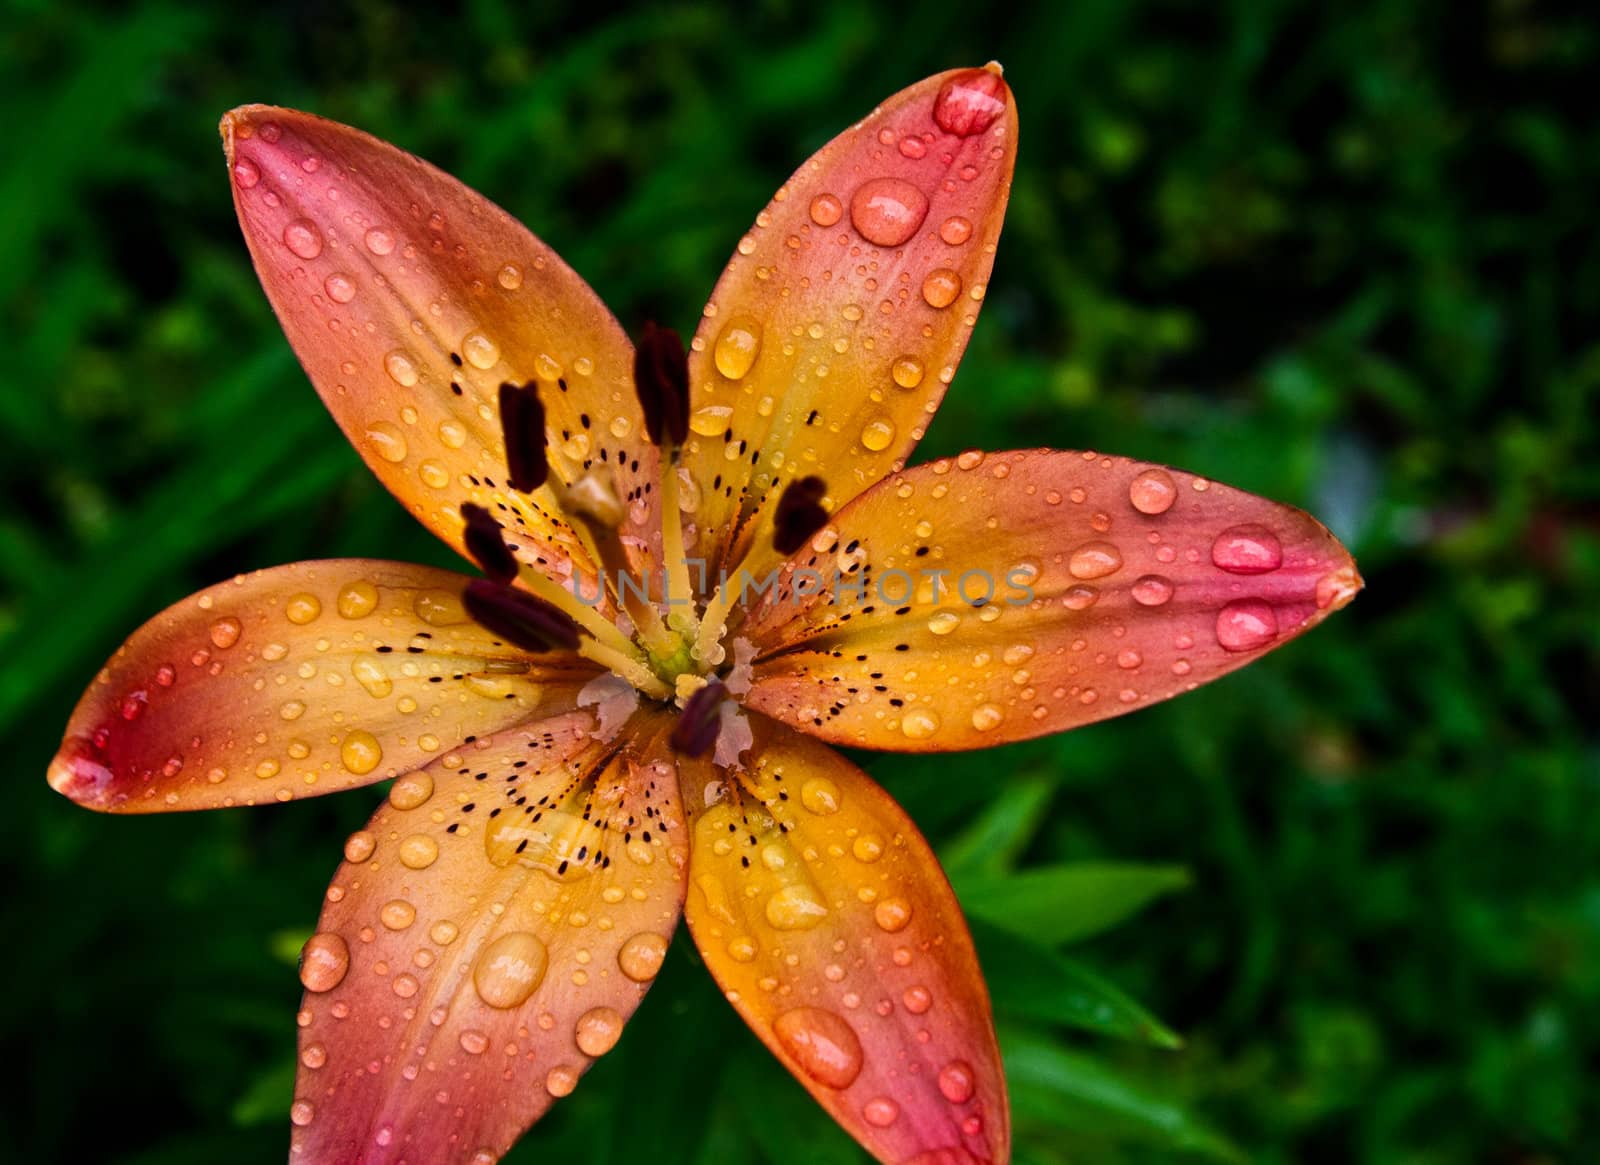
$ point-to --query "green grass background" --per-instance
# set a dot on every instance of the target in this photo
(1344, 256)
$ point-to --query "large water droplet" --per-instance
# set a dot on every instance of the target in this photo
(324, 962)
(892, 914)
(357, 599)
(825, 1045)
(969, 102)
(940, 287)
(1246, 624)
(826, 210)
(1094, 560)
(878, 434)
(246, 173)
(1152, 590)
(510, 969)
(907, 372)
(302, 238)
(737, 347)
(360, 752)
(597, 1031)
(640, 957)
(888, 211)
(919, 723)
(225, 632)
(401, 367)
(820, 796)
(956, 1082)
(411, 791)
(418, 852)
(955, 230)
(379, 241)
(880, 1112)
(480, 350)
(302, 609)
(1152, 492)
(340, 287)
(795, 907)
(1248, 549)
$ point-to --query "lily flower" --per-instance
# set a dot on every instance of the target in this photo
(703, 568)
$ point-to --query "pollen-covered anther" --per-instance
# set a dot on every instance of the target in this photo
(594, 498)
(522, 423)
(485, 541)
(661, 378)
(518, 617)
(799, 514)
(700, 721)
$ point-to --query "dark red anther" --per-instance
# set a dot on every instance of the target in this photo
(486, 543)
(701, 719)
(517, 617)
(522, 422)
(661, 378)
(800, 514)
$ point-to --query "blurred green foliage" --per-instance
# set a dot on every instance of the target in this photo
(1344, 256)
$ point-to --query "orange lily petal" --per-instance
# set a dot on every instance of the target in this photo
(485, 940)
(825, 918)
(830, 338)
(410, 299)
(295, 681)
(1111, 584)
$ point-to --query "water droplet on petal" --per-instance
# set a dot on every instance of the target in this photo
(795, 907)
(1152, 492)
(360, 752)
(510, 277)
(561, 1080)
(969, 102)
(340, 287)
(888, 211)
(955, 230)
(907, 372)
(225, 632)
(379, 241)
(826, 210)
(359, 845)
(892, 914)
(1246, 624)
(878, 434)
(480, 350)
(301, 1113)
(411, 791)
(940, 287)
(880, 1112)
(302, 609)
(919, 723)
(986, 717)
(956, 1082)
(825, 1045)
(474, 1043)
(820, 796)
(1152, 590)
(302, 238)
(943, 622)
(510, 969)
(402, 369)
(1094, 560)
(738, 345)
(640, 957)
(397, 914)
(598, 1030)
(1248, 549)
(246, 173)
(418, 852)
(324, 962)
